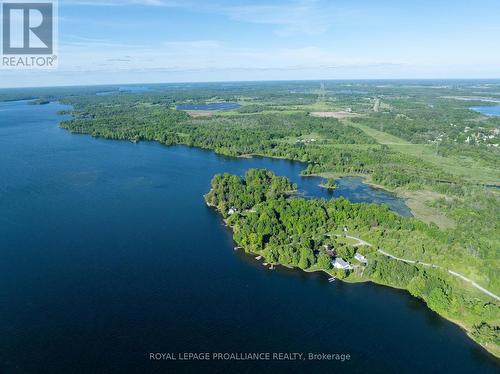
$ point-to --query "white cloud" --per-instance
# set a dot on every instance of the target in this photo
(197, 55)
(98, 60)
(310, 17)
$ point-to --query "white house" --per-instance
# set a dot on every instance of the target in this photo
(339, 263)
(232, 210)
(360, 258)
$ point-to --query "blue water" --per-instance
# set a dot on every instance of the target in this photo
(209, 106)
(125, 89)
(135, 89)
(487, 110)
(108, 252)
(356, 191)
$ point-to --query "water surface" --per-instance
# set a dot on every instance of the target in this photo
(125, 89)
(108, 252)
(488, 110)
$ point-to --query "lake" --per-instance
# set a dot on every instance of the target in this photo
(209, 106)
(108, 253)
(125, 89)
(487, 110)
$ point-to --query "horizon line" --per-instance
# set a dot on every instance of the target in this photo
(252, 81)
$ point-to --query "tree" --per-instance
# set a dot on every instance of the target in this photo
(324, 261)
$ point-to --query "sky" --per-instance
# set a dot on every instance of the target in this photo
(160, 41)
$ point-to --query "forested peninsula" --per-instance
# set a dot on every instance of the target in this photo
(268, 220)
(419, 140)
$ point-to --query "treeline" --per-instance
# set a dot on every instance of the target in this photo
(269, 134)
(387, 167)
(443, 295)
(230, 135)
(430, 119)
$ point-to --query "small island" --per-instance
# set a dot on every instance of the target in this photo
(329, 184)
(39, 102)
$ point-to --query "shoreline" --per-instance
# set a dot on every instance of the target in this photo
(329, 188)
(493, 350)
(414, 200)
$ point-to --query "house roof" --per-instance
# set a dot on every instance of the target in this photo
(341, 262)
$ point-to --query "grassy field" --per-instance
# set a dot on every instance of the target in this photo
(463, 167)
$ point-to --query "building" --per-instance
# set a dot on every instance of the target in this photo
(232, 210)
(360, 258)
(339, 263)
(330, 253)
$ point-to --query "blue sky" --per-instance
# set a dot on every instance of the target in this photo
(137, 41)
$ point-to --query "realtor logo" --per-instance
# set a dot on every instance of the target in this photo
(28, 33)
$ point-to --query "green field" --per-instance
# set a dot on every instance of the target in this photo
(463, 167)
